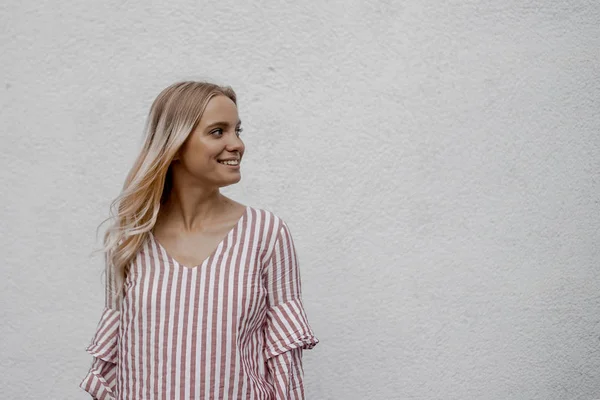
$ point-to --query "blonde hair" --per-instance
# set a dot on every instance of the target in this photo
(174, 114)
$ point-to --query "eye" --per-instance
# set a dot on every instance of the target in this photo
(239, 130)
(219, 130)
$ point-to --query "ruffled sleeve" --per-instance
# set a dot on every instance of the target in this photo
(100, 381)
(286, 375)
(287, 326)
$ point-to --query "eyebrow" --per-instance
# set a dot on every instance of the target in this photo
(222, 123)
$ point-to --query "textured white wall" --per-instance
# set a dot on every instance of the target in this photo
(437, 162)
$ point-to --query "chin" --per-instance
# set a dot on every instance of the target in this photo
(230, 182)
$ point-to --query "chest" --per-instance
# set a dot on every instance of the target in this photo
(228, 287)
(193, 250)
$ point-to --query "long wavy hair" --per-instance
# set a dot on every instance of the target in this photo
(174, 114)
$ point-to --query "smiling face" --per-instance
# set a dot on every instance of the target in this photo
(215, 138)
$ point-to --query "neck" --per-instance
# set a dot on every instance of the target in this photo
(192, 209)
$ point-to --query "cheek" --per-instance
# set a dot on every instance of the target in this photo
(199, 152)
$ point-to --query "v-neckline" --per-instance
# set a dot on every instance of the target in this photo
(232, 231)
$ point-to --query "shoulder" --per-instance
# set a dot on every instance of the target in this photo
(270, 227)
(267, 221)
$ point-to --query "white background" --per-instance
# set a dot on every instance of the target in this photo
(437, 163)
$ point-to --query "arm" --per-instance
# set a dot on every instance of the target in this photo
(287, 375)
(100, 381)
(287, 331)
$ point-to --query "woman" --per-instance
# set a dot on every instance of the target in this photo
(203, 297)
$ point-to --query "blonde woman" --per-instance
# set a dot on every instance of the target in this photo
(203, 295)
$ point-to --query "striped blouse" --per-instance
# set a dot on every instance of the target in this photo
(233, 327)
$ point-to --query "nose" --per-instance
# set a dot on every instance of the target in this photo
(234, 143)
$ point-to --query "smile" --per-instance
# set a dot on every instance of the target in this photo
(233, 163)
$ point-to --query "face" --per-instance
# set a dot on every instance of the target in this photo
(215, 139)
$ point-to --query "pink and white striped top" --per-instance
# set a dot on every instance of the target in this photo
(233, 327)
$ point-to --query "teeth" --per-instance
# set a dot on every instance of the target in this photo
(232, 162)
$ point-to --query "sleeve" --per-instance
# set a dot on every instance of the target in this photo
(287, 375)
(100, 381)
(287, 331)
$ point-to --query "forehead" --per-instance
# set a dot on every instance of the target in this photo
(220, 109)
